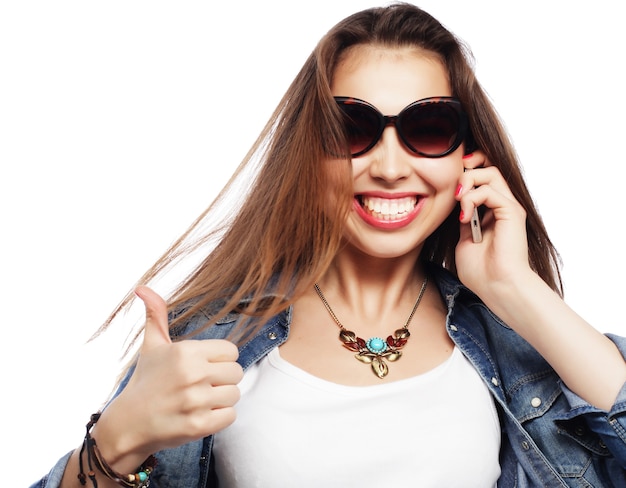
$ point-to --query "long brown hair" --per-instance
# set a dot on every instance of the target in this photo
(289, 225)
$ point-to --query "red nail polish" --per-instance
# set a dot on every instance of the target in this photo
(458, 191)
(467, 156)
(461, 215)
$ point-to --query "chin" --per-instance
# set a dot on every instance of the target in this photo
(382, 248)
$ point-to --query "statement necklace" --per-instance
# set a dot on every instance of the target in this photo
(375, 350)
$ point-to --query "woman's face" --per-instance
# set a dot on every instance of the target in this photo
(400, 197)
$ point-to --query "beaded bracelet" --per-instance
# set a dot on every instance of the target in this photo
(141, 479)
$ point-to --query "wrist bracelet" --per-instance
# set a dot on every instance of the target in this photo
(140, 479)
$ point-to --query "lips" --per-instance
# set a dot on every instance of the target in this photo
(388, 212)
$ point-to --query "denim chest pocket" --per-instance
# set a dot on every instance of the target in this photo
(533, 395)
(538, 403)
(228, 318)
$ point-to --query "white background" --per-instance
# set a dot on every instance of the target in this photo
(120, 120)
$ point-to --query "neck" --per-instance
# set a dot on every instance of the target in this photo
(372, 292)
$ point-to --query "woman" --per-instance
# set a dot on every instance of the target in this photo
(383, 341)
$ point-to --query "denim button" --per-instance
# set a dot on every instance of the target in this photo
(495, 382)
(535, 402)
(453, 328)
(525, 445)
(272, 336)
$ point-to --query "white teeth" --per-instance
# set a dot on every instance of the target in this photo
(388, 209)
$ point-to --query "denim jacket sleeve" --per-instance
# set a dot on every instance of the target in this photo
(609, 426)
(54, 477)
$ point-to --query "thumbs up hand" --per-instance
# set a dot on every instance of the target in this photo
(178, 393)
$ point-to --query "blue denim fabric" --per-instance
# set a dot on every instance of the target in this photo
(550, 436)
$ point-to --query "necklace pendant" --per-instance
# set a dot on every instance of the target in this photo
(379, 367)
(376, 351)
(376, 345)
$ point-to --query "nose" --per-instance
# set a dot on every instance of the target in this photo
(390, 159)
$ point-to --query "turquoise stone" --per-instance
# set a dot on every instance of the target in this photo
(376, 345)
(142, 476)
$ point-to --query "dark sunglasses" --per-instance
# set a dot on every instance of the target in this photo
(431, 127)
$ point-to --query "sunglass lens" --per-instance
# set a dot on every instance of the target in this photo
(362, 126)
(430, 129)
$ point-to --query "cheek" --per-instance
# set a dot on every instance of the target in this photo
(358, 168)
(442, 177)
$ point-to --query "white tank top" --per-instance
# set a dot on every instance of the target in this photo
(438, 429)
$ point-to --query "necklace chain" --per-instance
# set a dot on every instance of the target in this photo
(375, 350)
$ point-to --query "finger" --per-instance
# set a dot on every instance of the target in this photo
(476, 159)
(485, 176)
(482, 195)
(156, 331)
(203, 398)
(220, 350)
(201, 423)
(224, 373)
(224, 396)
(218, 419)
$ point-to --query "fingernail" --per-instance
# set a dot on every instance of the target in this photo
(467, 156)
(458, 191)
(461, 215)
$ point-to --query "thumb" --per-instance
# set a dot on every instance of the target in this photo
(156, 330)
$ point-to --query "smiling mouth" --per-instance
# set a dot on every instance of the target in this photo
(388, 209)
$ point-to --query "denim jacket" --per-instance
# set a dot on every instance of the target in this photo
(550, 436)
